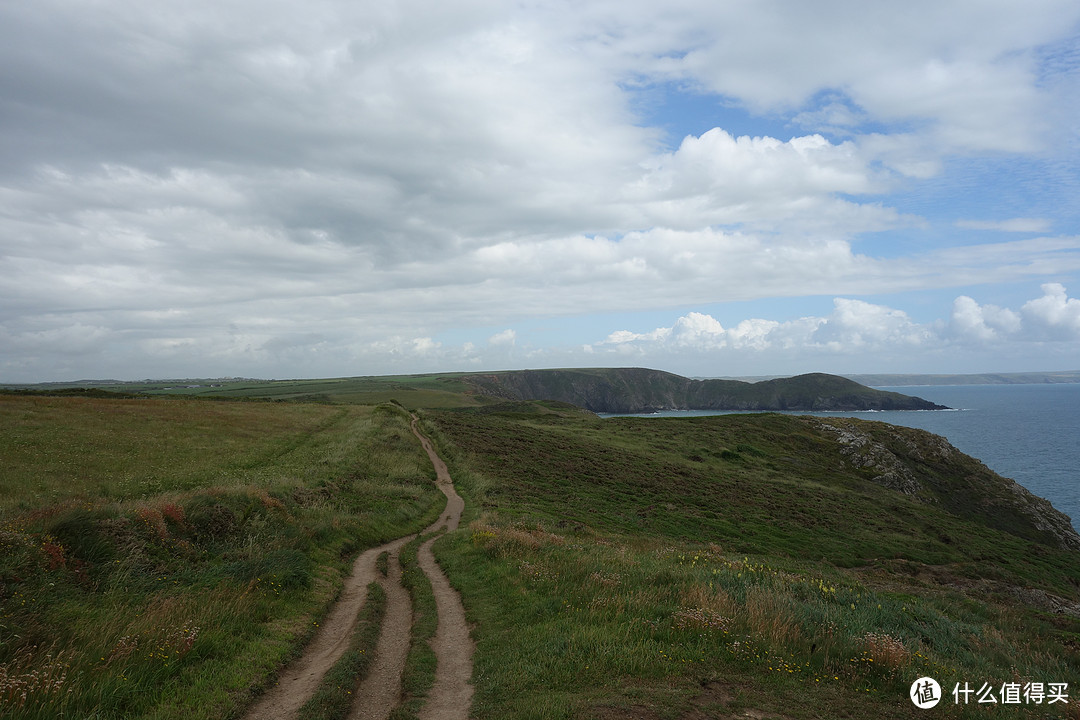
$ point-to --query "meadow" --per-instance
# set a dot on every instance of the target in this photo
(163, 556)
(712, 567)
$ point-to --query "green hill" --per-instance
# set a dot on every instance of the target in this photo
(612, 390)
(638, 390)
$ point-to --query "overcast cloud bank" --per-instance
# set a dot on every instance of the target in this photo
(358, 188)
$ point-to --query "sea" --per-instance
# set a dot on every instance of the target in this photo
(1030, 433)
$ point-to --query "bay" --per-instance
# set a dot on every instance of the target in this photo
(1030, 433)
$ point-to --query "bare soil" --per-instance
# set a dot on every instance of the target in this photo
(380, 692)
(451, 694)
(299, 680)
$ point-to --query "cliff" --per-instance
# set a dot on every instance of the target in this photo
(638, 390)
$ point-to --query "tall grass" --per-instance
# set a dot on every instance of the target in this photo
(587, 615)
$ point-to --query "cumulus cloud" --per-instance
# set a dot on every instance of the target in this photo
(857, 326)
(504, 337)
(982, 322)
(1054, 315)
(853, 325)
(719, 179)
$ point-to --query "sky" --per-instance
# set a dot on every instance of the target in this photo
(710, 187)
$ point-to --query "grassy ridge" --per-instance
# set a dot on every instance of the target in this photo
(635, 390)
(728, 564)
(192, 552)
(618, 390)
(411, 391)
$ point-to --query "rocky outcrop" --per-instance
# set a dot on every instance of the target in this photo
(1045, 517)
(1046, 601)
(861, 451)
(929, 468)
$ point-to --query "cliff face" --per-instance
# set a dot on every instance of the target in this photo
(929, 468)
(635, 390)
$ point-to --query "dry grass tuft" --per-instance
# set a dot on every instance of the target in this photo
(887, 651)
(511, 540)
(26, 679)
(768, 616)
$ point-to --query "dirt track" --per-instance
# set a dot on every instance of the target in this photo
(380, 693)
(450, 696)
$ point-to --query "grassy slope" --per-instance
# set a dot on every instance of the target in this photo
(693, 568)
(161, 557)
(729, 563)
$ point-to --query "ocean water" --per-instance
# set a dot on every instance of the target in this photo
(1030, 433)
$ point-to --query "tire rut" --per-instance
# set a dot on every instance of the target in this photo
(299, 680)
(380, 691)
(451, 694)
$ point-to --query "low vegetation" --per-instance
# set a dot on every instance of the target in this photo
(729, 564)
(160, 558)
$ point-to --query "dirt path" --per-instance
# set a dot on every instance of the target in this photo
(454, 504)
(450, 697)
(380, 692)
(300, 678)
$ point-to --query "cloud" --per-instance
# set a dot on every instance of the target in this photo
(718, 179)
(1028, 225)
(1053, 316)
(857, 326)
(964, 69)
(698, 331)
(853, 325)
(982, 322)
(504, 337)
(332, 188)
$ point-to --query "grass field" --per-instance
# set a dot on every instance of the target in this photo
(410, 391)
(663, 568)
(162, 557)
